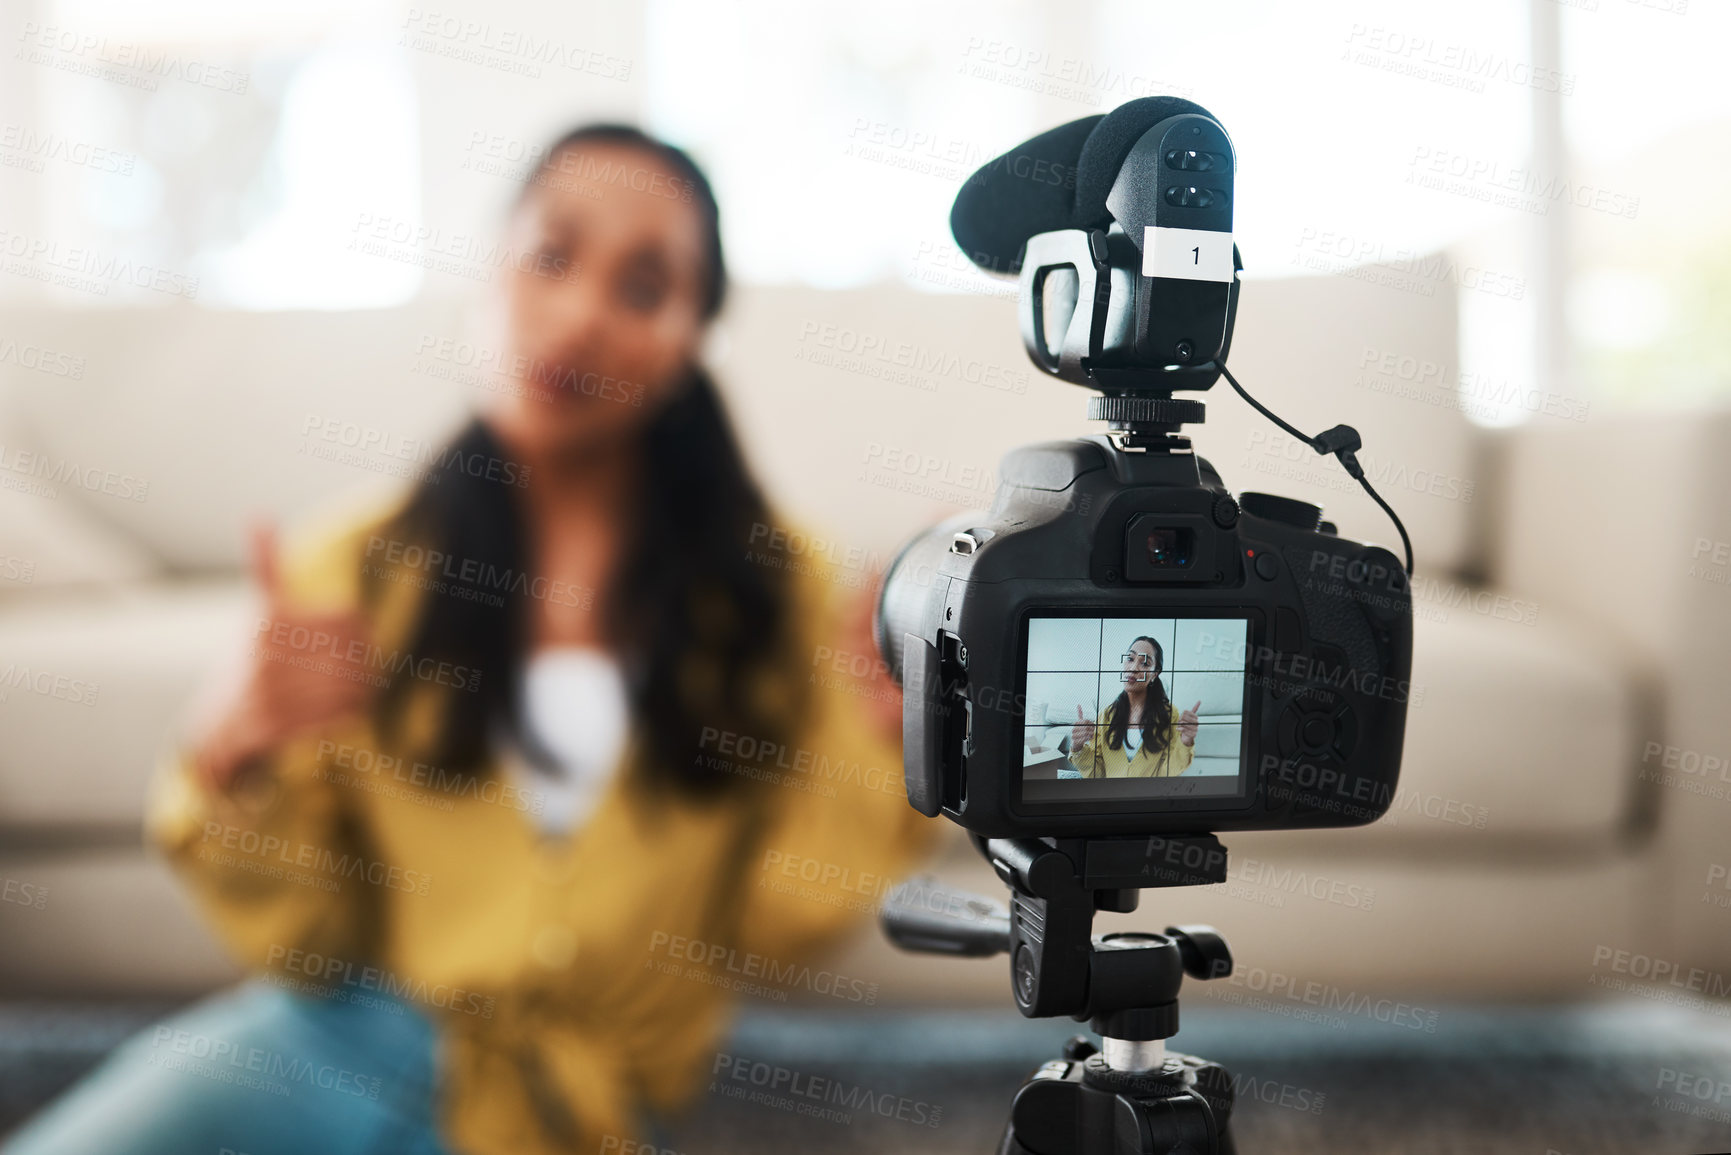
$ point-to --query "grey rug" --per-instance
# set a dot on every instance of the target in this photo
(1593, 1080)
(1572, 1080)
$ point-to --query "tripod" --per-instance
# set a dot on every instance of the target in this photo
(1130, 1095)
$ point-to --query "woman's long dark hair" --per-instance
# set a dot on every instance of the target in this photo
(1156, 709)
(699, 626)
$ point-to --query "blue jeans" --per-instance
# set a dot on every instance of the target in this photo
(256, 1071)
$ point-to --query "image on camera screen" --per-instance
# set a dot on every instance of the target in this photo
(1134, 708)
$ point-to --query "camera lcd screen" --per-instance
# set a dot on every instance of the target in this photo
(1134, 708)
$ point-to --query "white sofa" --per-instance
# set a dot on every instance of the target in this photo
(1572, 638)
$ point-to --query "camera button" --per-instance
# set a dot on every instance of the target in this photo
(1317, 732)
(1286, 730)
(1345, 732)
(1189, 196)
(1267, 568)
(1193, 160)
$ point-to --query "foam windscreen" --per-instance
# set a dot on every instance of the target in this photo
(1057, 180)
(1030, 189)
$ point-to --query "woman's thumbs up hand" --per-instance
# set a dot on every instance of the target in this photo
(303, 671)
(1082, 732)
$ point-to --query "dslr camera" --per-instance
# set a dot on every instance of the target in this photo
(1121, 657)
(1121, 645)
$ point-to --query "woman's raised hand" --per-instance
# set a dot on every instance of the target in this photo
(1187, 723)
(303, 671)
(1082, 732)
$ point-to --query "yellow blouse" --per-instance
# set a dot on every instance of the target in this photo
(571, 979)
(1098, 760)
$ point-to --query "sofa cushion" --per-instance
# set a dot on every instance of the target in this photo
(213, 419)
(49, 542)
(104, 921)
(92, 689)
(48, 538)
(1517, 730)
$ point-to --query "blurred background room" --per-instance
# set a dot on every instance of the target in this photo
(248, 254)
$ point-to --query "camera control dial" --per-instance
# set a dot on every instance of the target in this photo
(1286, 510)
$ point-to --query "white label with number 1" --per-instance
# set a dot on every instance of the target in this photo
(1186, 254)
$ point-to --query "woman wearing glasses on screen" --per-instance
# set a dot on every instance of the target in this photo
(495, 811)
(1141, 734)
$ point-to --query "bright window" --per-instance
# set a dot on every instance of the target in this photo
(215, 152)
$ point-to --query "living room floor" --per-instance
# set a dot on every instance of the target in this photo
(1571, 1079)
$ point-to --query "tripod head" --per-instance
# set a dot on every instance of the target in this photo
(1125, 985)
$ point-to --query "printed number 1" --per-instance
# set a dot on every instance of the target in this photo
(1196, 255)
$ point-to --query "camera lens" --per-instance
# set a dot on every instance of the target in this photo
(1169, 548)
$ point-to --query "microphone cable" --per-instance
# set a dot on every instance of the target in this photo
(1342, 441)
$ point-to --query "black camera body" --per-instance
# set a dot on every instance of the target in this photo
(1319, 626)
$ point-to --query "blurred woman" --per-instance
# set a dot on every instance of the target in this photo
(524, 777)
(1141, 734)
